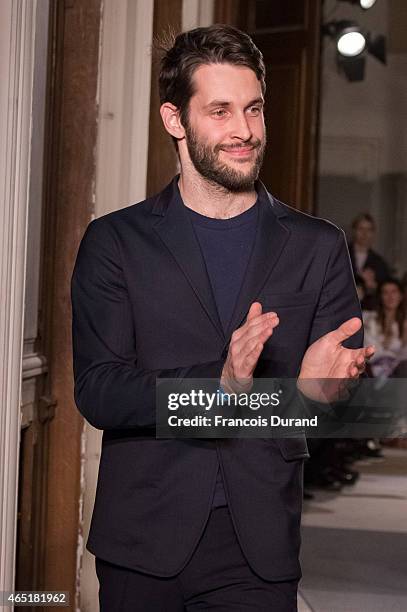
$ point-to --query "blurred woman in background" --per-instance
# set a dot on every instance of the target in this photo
(386, 329)
(366, 262)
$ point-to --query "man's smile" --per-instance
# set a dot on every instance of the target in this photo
(240, 152)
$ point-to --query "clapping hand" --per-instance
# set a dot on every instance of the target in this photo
(328, 368)
(245, 347)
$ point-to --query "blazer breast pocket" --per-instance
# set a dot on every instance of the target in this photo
(295, 312)
(271, 301)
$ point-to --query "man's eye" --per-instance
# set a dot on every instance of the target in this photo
(220, 112)
(255, 110)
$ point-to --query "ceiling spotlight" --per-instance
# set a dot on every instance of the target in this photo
(367, 4)
(352, 45)
(350, 41)
(364, 4)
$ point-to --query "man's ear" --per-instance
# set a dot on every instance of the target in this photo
(170, 116)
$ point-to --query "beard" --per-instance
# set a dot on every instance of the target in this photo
(205, 159)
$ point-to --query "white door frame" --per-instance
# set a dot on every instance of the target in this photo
(17, 37)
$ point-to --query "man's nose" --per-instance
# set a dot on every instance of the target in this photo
(240, 127)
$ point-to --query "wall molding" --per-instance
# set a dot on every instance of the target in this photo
(34, 364)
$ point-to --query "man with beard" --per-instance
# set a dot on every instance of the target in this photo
(211, 278)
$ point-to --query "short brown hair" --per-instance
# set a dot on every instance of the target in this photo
(365, 216)
(216, 44)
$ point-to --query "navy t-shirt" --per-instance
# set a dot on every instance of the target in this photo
(226, 246)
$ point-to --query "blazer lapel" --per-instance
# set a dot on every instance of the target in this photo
(271, 236)
(176, 231)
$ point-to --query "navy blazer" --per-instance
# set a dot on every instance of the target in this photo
(143, 308)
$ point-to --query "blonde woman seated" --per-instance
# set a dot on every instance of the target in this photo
(386, 329)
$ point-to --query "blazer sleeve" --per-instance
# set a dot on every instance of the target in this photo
(111, 391)
(338, 302)
(338, 299)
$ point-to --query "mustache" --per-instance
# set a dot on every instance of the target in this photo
(254, 144)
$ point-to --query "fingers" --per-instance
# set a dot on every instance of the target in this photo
(255, 328)
(247, 342)
(254, 311)
(369, 351)
(358, 366)
(253, 356)
(362, 353)
(251, 343)
(253, 321)
(346, 330)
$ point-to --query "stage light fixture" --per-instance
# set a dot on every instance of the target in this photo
(367, 4)
(350, 40)
(352, 44)
(377, 47)
(364, 4)
(352, 67)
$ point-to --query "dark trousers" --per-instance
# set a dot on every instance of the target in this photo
(216, 578)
